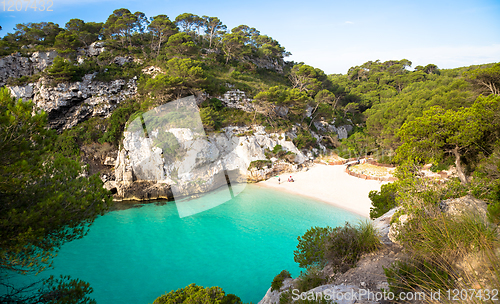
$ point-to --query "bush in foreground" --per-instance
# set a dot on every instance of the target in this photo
(342, 246)
(445, 252)
(347, 244)
(278, 280)
(194, 294)
(311, 247)
(310, 279)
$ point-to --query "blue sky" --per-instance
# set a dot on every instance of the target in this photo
(331, 35)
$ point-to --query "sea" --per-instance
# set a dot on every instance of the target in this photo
(137, 253)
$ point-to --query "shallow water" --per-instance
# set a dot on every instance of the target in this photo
(138, 254)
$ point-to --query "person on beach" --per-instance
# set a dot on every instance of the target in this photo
(279, 180)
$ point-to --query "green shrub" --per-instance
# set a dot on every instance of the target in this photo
(346, 244)
(286, 297)
(304, 140)
(278, 280)
(311, 247)
(67, 145)
(168, 143)
(114, 71)
(64, 71)
(198, 294)
(386, 159)
(443, 248)
(277, 149)
(443, 165)
(69, 141)
(423, 235)
(23, 80)
(383, 200)
(211, 119)
(117, 121)
(312, 278)
(259, 164)
(494, 212)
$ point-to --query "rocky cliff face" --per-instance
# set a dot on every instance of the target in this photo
(68, 104)
(202, 167)
(15, 65)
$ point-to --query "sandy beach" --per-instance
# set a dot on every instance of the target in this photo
(329, 184)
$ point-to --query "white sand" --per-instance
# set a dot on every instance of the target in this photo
(329, 184)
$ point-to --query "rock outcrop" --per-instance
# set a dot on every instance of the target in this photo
(17, 65)
(465, 205)
(204, 162)
(237, 99)
(68, 104)
(383, 225)
(342, 131)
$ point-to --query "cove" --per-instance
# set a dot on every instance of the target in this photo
(135, 255)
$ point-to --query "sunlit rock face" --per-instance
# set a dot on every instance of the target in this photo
(168, 146)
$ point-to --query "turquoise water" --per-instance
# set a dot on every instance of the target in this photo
(135, 255)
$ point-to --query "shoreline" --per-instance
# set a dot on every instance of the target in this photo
(329, 184)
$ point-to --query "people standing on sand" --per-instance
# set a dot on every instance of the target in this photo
(279, 180)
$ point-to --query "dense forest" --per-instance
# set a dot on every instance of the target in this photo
(400, 115)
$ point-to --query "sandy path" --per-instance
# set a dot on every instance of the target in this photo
(331, 185)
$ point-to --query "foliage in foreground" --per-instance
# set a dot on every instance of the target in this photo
(198, 295)
(52, 291)
(444, 251)
(45, 199)
(311, 278)
(341, 246)
(311, 247)
(383, 200)
(347, 244)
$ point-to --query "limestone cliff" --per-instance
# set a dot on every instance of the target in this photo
(68, 104)
(202, 167)
(16, 65)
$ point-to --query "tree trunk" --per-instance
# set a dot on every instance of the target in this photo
(458, 165)
(313, 117)
(330, 139)
(159, 45)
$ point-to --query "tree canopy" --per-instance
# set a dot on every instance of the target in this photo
(45, 200)
(463, 133)
(198, 295)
